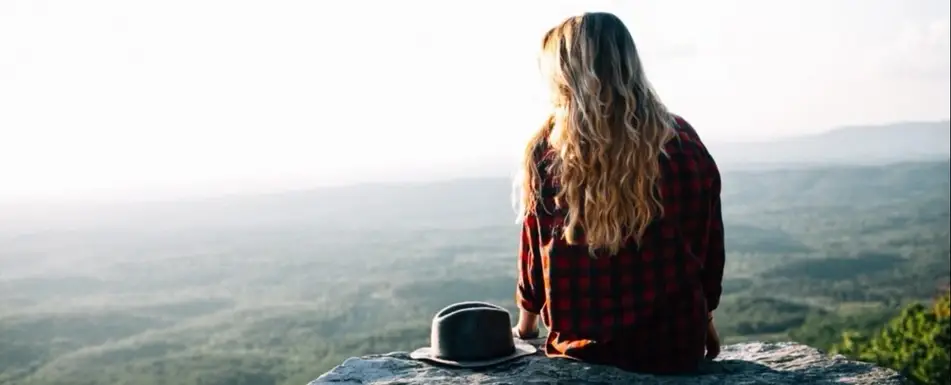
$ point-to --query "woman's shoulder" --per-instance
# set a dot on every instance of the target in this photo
(685, 137)
(686, 151)
(683, 126)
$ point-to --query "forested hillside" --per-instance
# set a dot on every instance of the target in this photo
(277, 289)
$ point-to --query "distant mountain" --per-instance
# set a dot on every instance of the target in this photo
(868, 145)
(850, 145)
(463, 203)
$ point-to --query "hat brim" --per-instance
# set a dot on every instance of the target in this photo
(522, 349)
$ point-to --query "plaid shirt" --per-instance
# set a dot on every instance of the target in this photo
(643, 309)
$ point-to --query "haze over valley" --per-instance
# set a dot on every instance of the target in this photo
(277, 288)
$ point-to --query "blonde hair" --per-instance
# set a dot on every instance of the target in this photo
(606, 136)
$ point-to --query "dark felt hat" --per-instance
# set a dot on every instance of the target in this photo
(472, 335)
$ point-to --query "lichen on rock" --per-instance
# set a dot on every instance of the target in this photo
(751, 363)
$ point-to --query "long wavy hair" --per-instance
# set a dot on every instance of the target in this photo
(606, 134)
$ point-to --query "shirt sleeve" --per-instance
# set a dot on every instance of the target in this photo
(716, 252)
(530, 293)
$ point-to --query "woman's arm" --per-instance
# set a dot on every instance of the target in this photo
(530, 293)
(527, 327)
(715, 250)
(710, 242)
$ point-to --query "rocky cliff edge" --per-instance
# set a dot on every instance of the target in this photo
(751, 363)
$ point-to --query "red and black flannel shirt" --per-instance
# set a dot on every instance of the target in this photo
(643, 309)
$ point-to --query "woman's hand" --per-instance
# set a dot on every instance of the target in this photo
(524, 335)
(713, 339)
(527, 327)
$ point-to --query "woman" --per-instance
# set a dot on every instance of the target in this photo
(622, 238)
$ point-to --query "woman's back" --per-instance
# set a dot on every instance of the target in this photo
(622, 242)
(644, 308)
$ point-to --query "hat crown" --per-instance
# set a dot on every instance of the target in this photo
(472, 331)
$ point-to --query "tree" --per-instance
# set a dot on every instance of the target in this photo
(916, 343)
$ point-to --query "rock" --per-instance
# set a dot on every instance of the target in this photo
(752, 363)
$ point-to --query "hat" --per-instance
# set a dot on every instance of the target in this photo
(472, 335)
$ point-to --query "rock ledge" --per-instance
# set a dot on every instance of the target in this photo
(752, 363)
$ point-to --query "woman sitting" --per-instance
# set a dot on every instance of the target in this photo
(622, 238)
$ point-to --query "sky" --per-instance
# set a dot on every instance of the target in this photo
(119, 98)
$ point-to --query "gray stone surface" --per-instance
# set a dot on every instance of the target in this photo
(753, 363)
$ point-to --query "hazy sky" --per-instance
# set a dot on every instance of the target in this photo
(130, 96)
